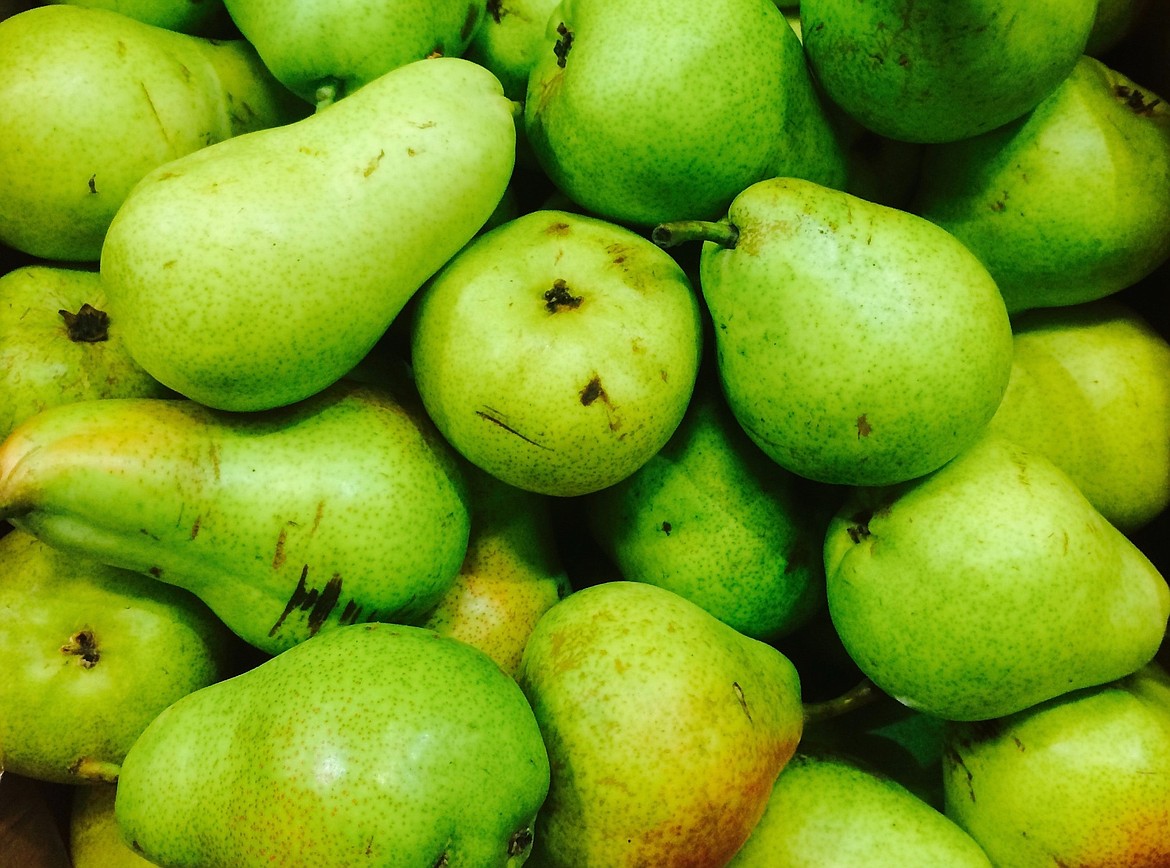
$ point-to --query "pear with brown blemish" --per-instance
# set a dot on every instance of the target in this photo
(346, 507)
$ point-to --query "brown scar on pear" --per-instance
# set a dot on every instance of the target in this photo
(495, 420)
(319, 603)
(594, 391)
(863, 427)
(1135, 100)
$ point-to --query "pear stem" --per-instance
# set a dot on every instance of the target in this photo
(326, 94)
(858, 696)
(679, 231)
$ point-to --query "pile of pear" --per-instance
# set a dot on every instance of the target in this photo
(586, 433)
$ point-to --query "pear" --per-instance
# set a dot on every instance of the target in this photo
(988, 586)
(324, 51)
(826, 811)
(93, 100)
(510, 40)
(95, 841)
(92, 653)
(233, 293)
(938, 71)
(512, 573)
(713, 519)
(558, 351)
(1079, 780)
(345, 507)
(665, 728)
(57, 345)
(1069, 203)
(197, 17)
(645, 111)
(374, 744)
(857, 344)
(1101, 370)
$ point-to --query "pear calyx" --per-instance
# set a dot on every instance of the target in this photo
(558, 298)
(679, 231)
(563, 44)
(83, 645)
(89, 325)
(520, 841)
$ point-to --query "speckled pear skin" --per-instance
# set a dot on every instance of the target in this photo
(93, 100)
(694, 102)
(346, 507)
(665, 728)
(1068, 204)
(557, 352)
(234, 293)
(374, 744)
(713, 519)
(936, 71)
(1101, 369)
(1080, 780)
(91, 655)
(857, 344)
(988, 586)
(346, 44)
(828, 812)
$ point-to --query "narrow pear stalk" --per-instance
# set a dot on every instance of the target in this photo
(680, 231)
(858, 696)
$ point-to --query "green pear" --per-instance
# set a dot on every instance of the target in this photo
(93, 100)
(92, 653)
(665, 728)
(857, 344)
(713, 519)
(512, 573)
(374, 744)
(510, 39)
(324, 51)
(650, 110)
(95, 841)
(828, 812)
(1102, 371)
(345, 507)
(557, 352)
(1079, 780)
(197, 17)
(57, 345)
(233, 293)
(1069, 203)
(938, 71)
(988, 586)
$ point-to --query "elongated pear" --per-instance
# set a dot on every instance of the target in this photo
(257, 271)
(346, 507)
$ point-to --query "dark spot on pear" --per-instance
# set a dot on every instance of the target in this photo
(278, 554)
(88, 326)
(956, 759)
(858, 529)
(1019, 744)
(156, 572)
(1135, 100)
(560, 298)
(83, 645)
(92, 184)
(592, 391)
(520, 841)
(741, 699)
(195, 526)
(493, 417)
(563, 44)
(325, 604)
(863, 427)
(558, 228)
(666, 527)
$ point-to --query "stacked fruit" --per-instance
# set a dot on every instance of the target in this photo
(594, 433)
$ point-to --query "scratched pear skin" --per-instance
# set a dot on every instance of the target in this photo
(345, 507)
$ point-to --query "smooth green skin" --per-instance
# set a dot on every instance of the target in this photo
(95, 841)
(665, 729)
(512, 574)
(857, 344)
(1081, 780)
(510, 39)
(197, 17)
(41, 365)
(827, 812)
(233, 293)
(347, 507)
(71, 705)
(1090, 389)
(693, 101)
(95, 97)
(939, 71)
(375, 744)
(988, 586)
(713, 519)
(343, 45)
(564, 401)
(1068, 204)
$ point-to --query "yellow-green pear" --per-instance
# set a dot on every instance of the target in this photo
(58, 345)
(830, 812)
(95, 841)
(510, 40)
(665, 729)
(1079, 780)
(91, 655)
(988, 586)
(1090, 389)
(512, 573)
(257, 271)
(345, 507)
(374, 744)
(93, 100)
